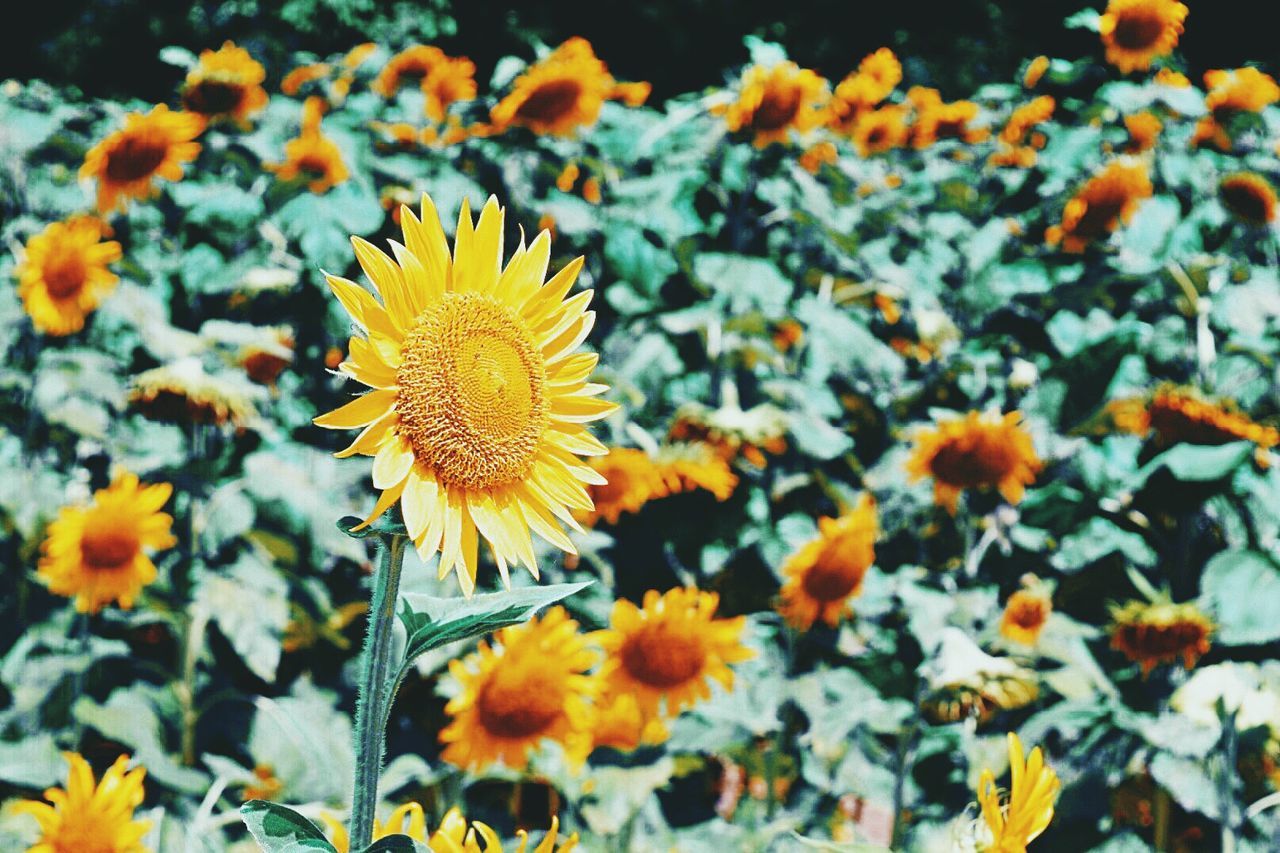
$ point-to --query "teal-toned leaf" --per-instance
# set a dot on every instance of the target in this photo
(32, 762)
(747, 283)
(384, 524)
(1241, 589)
(1197, 462)
(128, 716)
(396, 844)
(1097, 539)
(1085, 19)
(279, 829)
(1189, 782)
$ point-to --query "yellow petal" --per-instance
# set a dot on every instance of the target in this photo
(548, 298)
(391, 464)
(360, 412)
(387, 278)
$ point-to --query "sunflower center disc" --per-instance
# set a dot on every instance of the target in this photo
(664, 658)
(1138, 31)
(136, 158)
(64, 274)
(106, 547)
(550, 101)
(834, 574)
(472, 397)
(521, 698)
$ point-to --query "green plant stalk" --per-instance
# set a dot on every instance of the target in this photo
(192, 642)
(376, 689)
(1226, 790)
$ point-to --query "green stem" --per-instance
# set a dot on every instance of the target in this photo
(193, 642)
(1226, 791)
(375, 697)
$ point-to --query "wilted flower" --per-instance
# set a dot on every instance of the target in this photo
(182, 392)
(1177, 414)
(1162, 632)
(479, 401)
(87, 816)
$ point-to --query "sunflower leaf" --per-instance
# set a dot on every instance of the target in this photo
(279, 829)
(384, 524)
(432, 622)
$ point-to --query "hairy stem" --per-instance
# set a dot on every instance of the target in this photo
(376, 670)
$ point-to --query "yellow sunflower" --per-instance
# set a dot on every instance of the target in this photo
(183, 393)
(1137, 32)
(454, 836)
(817, 155)
(293, 82)
(311, 156)
(449, 81)
(877, 75)
(936, 120)
(1231, 94)
(1013, 822)
(63, 274)
(688, 466)
(880, 130)
(98, 553)
(562, 92)
(1026, 612)
(976, 451)
(89, 817)
(478, 412)
(407, 819)
(531, 687)
(413, 65)
(1144, 129)
(226, 83)
(1025, 117)
(1249, 197)
(1182, 415)
(1161, 632)
(1035, 71)
(665, 653)
(620, 725)
(633, 479)
(150, 145)
(1108, 200)
(775, 100)
(827, 572)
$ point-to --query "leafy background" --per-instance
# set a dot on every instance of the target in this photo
(701, 247)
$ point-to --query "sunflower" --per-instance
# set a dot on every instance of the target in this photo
(976, 451)
(818, 154)
(150, 145)
(1244, 90)
(1249, 196)
(1182, 415)
(89, 816)
(63, 273)
(452, 79)
(311, 156)
(936, 120)
(413, 64)
(454, 836)
(664, 653)
(633, 479)
(182, 392)
(480, 403)
(226, 83)
(531, 687)
(877, 75)
(97, 553)
(293, 82)
(620, 725)
(1014, 822)
(1108, 200)
(1025, 117)
(1169, 77)
(407, 819)
(827, 572)
(263, 361)
(775, 100)
(1026, 612)
(1136, 32)
(731, 431)
(965, 682)
(1161, 632)
(560, 93)
(688, 466)
(1144, 129)
(880, 130)
(1035, 71)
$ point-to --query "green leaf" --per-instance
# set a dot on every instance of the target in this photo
(130, 717)
(1242, 591)
(279, 829)
(32, 762)
(1097, 539)
(432, 622)
(1085, 19)
(1188, 781)
(395, 844)
(748, 283)
(384, 524)
(1197, 462)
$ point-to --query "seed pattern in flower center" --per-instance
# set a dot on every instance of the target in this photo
(65, 274)
(1138, 31)
(472, 397)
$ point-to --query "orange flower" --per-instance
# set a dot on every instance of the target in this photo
(1249, 196)
(150, 145)
(938, 120)
(775, 100)
(1136, 32)
(877, 76)
(1109, 199)
(1232, 94)
(591, 190)
(1163, 632)
(1144, 129)
(311, 156)
(1025, 117)
(561, 93)
(827, 572)
(1181, 415)
(1035, 71)
(1026, 612)
(293, 82)
(358, 54)
(63, 274)
(880, 130)
(226, 83)
(976, 451)
(1169, 77)
(450, 80)
(816, 155)
(633, 478)
(413, 63)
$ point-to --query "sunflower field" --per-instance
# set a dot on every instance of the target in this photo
(395, 457)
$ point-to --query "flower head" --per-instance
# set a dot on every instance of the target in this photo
(1162, 632)
(879, 130)
(877, 75)
(1137, 32)
(311, 156)
(633, 479)
(1108, 200)
(775, 100)
(454, 836)
(976, 451)
(150, 145)
(560, 93)
(664, 653)
(98, 553)
(530, 687)
(182, 392)
(937, 120)
(1144, 129)
(452, 79)
(89, 817)
(1026, 612)
(621, 725)
(226, 83)
(1178, 414)
(411, 65)
(407, 819)
(63, 274)
(1013, 822)
(965, 682)
(827, 572)
(1249, 197)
